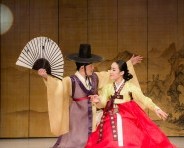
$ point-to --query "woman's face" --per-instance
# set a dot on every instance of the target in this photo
(115, 73)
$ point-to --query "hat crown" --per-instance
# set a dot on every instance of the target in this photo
(84, 55)
(85, 51)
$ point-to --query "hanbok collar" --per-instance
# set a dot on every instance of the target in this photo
(84, 82)
(119, 85)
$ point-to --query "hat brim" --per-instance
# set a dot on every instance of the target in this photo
(76, 58)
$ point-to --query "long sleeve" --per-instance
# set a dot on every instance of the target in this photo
(140, 98)
(104, 79)
(58, 95)
(134, 80)
(106, 92)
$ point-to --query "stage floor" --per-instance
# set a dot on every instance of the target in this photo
(48, 142)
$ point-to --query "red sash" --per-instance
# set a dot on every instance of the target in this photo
(80, 99)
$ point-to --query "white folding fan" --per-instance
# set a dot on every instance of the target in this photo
(42, 52)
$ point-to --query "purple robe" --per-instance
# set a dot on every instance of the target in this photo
(80, 120)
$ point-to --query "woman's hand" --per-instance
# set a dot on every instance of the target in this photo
(161, 114)
(94, 98)
(42, 72)
(136, 59)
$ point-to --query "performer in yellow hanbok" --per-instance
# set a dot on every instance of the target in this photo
(124, 123)
(72, 115)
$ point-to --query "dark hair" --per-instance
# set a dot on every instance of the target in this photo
(78, 65)
(123, 67)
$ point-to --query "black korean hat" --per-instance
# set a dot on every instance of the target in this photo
(84, 55)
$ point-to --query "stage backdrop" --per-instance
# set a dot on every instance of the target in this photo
(116, 29)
